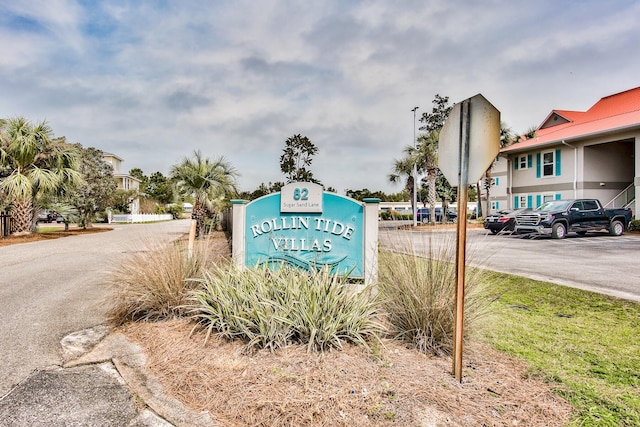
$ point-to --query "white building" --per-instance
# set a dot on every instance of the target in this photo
(124, 180)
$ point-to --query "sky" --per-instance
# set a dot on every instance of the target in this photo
(154, 81)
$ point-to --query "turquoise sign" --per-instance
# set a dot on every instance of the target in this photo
(305, 227)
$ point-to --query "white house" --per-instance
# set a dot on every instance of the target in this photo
(124, 180)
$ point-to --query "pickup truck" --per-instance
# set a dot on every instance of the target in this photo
(559, 217)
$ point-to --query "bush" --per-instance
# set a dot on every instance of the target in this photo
(394, 215)
(151, 284)
(175, 210)
(418, 295)
(274, 308)
(634, 225)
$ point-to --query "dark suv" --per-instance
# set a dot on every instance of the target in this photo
(47, 216)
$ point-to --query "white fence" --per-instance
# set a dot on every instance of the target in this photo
(129, 218)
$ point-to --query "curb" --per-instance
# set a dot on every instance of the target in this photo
(129, 360)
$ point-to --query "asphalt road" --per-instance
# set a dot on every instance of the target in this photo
(595, 262)
(49, 289)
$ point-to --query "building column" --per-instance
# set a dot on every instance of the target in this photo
(371, 240)
(238, 222)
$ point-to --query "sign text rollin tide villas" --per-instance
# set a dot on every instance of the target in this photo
(308, 228)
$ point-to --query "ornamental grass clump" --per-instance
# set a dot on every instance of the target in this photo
(418, 295)
(151, 283)
(274, 308)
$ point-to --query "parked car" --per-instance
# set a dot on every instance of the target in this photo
(502, 221)
(50, 216)
(423, 215)
(560, 217)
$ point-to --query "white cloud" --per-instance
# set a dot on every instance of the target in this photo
(153, 81)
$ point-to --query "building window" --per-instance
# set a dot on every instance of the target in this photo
(522, 202)
(495, 206)
(522, 162)
(548, 163)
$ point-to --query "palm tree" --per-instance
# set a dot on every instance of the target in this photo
(427, 157)
(209, 183)
(403, 169)
(34, 164)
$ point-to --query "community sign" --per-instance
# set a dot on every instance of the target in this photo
(305, 227)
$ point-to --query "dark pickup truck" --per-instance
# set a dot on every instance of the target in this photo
(559, 217)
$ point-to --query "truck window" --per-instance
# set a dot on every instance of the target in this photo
(555, 205)
(577, 205)
(590, 205)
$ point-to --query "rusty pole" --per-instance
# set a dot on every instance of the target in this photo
(461, 244)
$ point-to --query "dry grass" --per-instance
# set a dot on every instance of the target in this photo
(151, 284)
(419, 296)
(291, 387)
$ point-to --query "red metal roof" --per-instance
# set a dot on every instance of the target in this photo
(614, 112)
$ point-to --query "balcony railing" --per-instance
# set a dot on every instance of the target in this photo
(624, 198)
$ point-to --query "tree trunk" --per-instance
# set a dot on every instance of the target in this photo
(409, 188)
(22, 213)
(487, 187)
(198, 214)
(431, 177)
(479, 203)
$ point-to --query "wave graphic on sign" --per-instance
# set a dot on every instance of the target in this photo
(315, 264)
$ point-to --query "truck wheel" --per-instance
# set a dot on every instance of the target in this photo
(558, 231)
(616, 228)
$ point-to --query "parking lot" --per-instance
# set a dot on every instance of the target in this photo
(595, 262)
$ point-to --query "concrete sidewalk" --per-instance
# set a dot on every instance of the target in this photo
(103, 382)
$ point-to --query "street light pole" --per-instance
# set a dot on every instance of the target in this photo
(415, 173)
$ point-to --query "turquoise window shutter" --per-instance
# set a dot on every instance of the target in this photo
(538, 165)
(558, 162)
(497, 182)
(558, 196)
(530, 201)
(515, 202)
(538, 201)
(529, 161)
(515, 163)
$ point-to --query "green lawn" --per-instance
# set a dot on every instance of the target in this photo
(585, 344)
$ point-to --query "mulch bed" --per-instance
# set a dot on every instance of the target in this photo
(48, 235)
(351, 387)
(393, 385)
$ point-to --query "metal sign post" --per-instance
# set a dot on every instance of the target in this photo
(471, 131)
(461, 241)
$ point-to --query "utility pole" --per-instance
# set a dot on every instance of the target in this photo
(415, 173)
